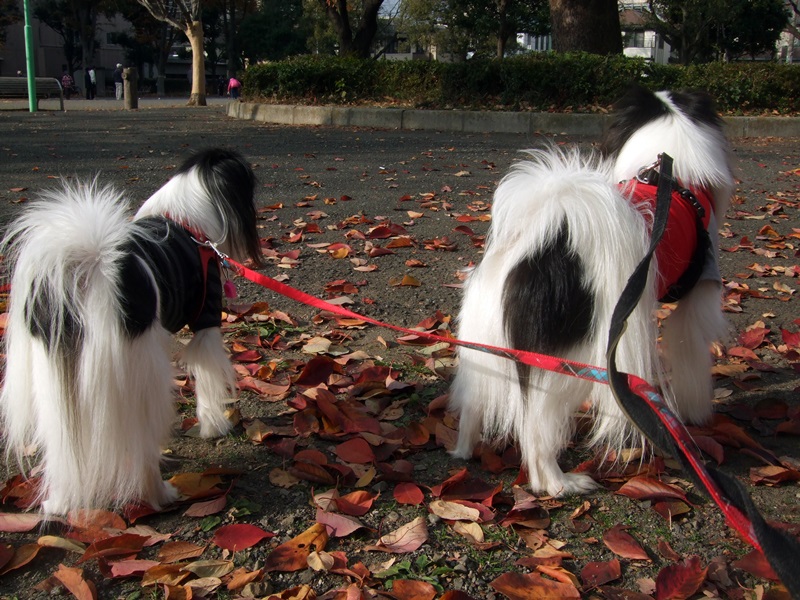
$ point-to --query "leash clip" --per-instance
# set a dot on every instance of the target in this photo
(649, 175)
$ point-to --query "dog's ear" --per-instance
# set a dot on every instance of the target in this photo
(698, 106)
(630, 113)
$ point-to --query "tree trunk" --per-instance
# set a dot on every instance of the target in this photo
(586, 26)
(350, 45)
(195, 34)
(504, 31)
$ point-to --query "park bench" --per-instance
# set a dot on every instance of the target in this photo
(17, 87)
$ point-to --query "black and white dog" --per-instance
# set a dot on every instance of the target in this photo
(94, 300)
(565, 237)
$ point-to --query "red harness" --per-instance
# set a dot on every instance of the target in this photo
(681, 253)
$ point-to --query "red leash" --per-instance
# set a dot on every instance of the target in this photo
(641, 388)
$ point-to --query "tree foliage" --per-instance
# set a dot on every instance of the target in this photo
(706, 30)
(9, 14)
(471, 27)
(278, 30)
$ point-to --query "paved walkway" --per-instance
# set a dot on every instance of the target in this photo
(413, 119)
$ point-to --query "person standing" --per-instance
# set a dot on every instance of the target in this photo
(118, 81)
(66, 82)
(90, 81)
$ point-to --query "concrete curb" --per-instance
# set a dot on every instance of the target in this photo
(476, 121)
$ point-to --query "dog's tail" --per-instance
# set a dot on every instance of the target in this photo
(72, 386)
(573, 240)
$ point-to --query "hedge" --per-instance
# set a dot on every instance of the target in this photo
(541, 81)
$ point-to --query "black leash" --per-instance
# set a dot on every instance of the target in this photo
(658, 425)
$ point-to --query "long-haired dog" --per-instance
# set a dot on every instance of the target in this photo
(95, 297)
(565, 236)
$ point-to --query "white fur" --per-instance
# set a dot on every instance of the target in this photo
(610, 237)
(100, 413)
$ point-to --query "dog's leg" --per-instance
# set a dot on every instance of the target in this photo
(215, 380)
(687, 335)
(470, 399)
(544, 430)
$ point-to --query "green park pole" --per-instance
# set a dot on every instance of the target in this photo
(31, 65)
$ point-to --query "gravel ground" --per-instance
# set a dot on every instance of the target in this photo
(315, 178)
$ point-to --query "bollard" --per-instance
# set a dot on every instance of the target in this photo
(130, 88)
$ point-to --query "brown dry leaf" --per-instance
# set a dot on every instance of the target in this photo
(407, 538)
(453, 511)
(76, 583)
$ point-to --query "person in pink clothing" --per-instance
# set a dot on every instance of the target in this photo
(233, 88)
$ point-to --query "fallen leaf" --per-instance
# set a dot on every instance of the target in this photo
(680, 580)
(73, 579)
(293, 555)
(621, 543)
(532, 586)
(407, 538)
(239, 536)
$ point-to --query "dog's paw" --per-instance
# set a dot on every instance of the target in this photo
(214, 425)
(572, 484)
(54, 506)
(169, 494)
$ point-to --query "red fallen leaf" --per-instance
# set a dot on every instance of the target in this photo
(742, 352)
(773, 475)
(595, 574)
(131, 568)
(316, 371)
(532, 586)
(22, 556)
(19, 522)
(711, 447)
(665, 550)
(643, 487)
(791, 339)
(408, 493)
(73, 579)
(126, 544)
(411, 589)
(465, 230)
(756, 564)
(338, 525)
(400, 242)
(681, 580)
(753, 338)
(247, 356)
(355, 503)
(210, 507)
(623, 544)
(239, 536)
(356, 450)
(376, 251)
(6, 554)
(293, 555)
(791, 427)
(771, 409)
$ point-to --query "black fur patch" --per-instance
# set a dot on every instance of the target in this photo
(547, 307)
(227, 176)
(640, 106)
